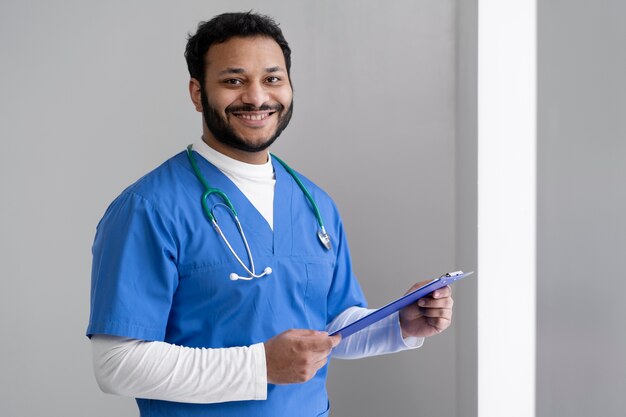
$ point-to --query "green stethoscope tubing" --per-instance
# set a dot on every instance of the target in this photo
(306, 192)
(208, 190)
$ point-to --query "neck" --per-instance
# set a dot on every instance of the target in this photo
(256, 158)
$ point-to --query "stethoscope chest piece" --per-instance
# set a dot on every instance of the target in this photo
(324, 238)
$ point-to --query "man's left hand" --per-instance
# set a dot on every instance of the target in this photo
(429, 315)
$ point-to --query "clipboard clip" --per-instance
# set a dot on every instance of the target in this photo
(453, 274)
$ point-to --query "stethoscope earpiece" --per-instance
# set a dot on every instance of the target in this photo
(234, 277)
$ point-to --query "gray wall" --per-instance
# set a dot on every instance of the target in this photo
(581, 337)
(466, 201)
(94, 94)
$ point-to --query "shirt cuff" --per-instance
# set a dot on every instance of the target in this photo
(410, 342)
(260, 371)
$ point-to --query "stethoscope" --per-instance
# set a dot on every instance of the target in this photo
(321, 233)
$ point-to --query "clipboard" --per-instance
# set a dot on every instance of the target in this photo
(401, 302)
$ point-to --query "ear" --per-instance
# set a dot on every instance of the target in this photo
(194, 93)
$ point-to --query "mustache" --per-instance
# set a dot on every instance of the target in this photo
(247, 108)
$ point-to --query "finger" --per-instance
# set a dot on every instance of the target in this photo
(310, 333)
(411, 312)
(320, 364)
(317, 357)
(320, 356)
(438, 323)
(335, 340)
(322, 343)
(437, 312)
(442, 292)
(428, 302)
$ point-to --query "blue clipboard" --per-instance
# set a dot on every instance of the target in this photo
(400, 303)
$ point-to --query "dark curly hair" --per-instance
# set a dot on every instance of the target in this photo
(225, 26)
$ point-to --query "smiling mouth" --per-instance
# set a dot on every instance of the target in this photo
(253, 116)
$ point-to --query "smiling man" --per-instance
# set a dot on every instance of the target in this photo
(244, 95)
(181, 318)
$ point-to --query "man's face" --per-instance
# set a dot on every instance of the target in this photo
(247, 96)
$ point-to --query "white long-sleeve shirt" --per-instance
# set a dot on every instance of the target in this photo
(160, 370)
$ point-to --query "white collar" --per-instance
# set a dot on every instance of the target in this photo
(232, 166)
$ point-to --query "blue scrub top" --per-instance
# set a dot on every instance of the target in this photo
(161, 272)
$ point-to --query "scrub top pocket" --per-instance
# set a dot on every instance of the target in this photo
(319, 278)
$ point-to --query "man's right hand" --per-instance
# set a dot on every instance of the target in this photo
(294, 356)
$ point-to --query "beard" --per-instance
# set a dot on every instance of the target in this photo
(224, 133)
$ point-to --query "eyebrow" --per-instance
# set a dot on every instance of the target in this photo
(232, 71)
(242, 71)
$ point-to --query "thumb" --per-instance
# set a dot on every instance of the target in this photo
(335, 340)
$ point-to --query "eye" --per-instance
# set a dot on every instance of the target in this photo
(273, 80)
(232, 81)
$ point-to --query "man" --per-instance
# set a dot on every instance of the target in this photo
(180, 318)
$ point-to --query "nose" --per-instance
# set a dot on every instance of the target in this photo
(255, 94)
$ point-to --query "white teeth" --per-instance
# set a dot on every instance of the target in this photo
(253, 116)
